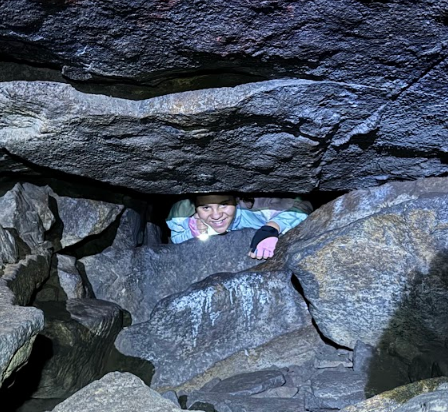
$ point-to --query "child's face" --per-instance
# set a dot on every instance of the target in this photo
(217, 211)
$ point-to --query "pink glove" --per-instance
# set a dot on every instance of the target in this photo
(265, 249)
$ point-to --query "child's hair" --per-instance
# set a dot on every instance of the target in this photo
(198, 202)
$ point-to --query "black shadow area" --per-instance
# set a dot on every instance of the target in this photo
(414, 346)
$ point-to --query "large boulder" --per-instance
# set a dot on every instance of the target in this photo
(370, 110)
(137, 278)
(117, 392)
(187, 134)
(190, 332)
(19, 325)
(373, 264)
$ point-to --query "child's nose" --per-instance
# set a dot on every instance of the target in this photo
(216, 213)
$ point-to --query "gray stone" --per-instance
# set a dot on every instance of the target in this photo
(247, 384)
(9, 252)
(117, 392)
(321, 112)
(69, 277)
(18, 329)
(37, 196)
(280, 392)
(84, 217)
(300, 376)
(436, 401)
(25, 209)
(335, 389)
(141, 43)
(138, 278)
(330, 357)
(294, 351)
(398, 397)
(210, 384)
(362, 356)
(190, 332)
(352, 44)
(372, 265)
(171, 396)
(128, 230)
(26, 276)
(81, 333)
(238, 403)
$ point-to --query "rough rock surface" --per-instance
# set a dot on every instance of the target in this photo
(8, 248)
(250, 383)
(192, 141)
(399, 397)
(367, 106)
(25, 210)
(427, 402)
(117, 392)
(19, 325)
(84, 217)
(373, 266)
(138, 278)
(334, 389)
(153, 43)
(213, 319)
(239, 403)
(294, 350)
(69, 278)
(25, 277)
(18, 329)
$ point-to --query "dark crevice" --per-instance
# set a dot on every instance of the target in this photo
(414, 152)
(51, 348)
(219, 74)
(94, 189)
(19, 387)
(177, 81)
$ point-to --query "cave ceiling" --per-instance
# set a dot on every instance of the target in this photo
(192, 96)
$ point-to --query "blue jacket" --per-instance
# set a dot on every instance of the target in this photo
(178, 219)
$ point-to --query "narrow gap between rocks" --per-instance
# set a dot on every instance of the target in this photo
(176, 82)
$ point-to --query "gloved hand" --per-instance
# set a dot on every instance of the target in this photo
(264, 242)
(199, 228)
(196, 226)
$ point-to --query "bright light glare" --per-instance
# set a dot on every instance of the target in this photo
(203, 236)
